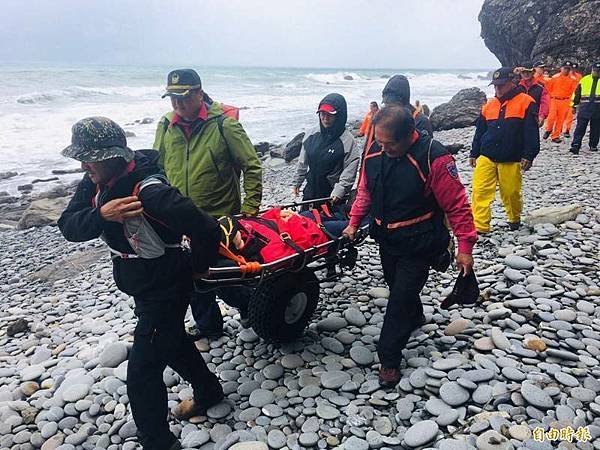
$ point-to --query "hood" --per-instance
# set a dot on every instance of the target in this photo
(339, 125)
(397, 90)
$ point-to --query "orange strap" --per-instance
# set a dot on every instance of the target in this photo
(416, 164)
(406, 223)
(317, 216)
(246, 267)
(326, 210)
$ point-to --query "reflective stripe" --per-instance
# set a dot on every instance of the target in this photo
(559, 98)
(405, 223)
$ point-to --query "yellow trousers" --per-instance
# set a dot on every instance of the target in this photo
(486, 176)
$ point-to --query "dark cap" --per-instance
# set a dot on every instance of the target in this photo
(568, 64)
(528, 66)
(397, 90)
(502, 76)
(97, 139)
(465, 291)
(180, 82)
(596, 66)
(540, 64)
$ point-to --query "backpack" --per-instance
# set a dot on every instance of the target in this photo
(141, 236)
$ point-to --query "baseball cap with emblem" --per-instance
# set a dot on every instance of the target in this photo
(568, 64)
(596, 66)
(502, 76)
(180, 82)
(96, 139)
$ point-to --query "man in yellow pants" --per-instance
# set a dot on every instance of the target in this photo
(505, 144)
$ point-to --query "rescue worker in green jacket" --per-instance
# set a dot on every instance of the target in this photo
(204, 152)
(586, 102)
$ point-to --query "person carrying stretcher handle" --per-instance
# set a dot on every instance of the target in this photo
(408, 187)
(124, 199)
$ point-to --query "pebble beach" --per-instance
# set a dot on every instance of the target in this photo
(489, 376)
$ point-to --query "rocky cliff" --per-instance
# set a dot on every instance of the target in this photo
(549, 30)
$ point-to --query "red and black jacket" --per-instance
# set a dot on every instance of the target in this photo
(507, 129)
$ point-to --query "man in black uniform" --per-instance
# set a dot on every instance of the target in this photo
(124, 199)
(408, 187)
(587, 101)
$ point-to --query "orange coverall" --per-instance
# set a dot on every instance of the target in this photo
(561, 88)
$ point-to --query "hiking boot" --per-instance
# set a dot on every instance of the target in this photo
(194, 334)
(593, 149)
(389, 376)
(557, 140)
(190, 408)
(546, 135)
(567, 134)
(514, 226)
(574, 151)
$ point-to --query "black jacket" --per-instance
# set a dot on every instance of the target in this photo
(149, 281)
(507, 129)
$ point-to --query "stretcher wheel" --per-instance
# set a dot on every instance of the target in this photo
(280, 308)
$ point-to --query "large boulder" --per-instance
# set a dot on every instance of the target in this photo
(261, 148)
(291, 149)
(549, 30)
(461, 111)
(43, 212)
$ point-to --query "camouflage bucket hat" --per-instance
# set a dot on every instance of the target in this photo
(97, 139)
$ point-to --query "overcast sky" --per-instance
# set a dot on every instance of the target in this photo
(283, 33)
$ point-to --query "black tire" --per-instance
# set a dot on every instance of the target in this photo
(281, 308)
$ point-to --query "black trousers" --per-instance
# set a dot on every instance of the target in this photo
(205, 308)
(581, 128)
(405, 276)
(159, 341)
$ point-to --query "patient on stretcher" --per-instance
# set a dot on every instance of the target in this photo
(275, 234)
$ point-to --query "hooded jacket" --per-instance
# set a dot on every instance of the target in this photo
(329, 157)
(397, 90)
(206, 166)
(171, 215)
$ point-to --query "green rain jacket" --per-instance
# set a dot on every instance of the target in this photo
(207, 168)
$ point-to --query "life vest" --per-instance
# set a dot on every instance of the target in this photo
(406, 214)
(141, 236)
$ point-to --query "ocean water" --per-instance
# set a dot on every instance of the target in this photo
(40, 103)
